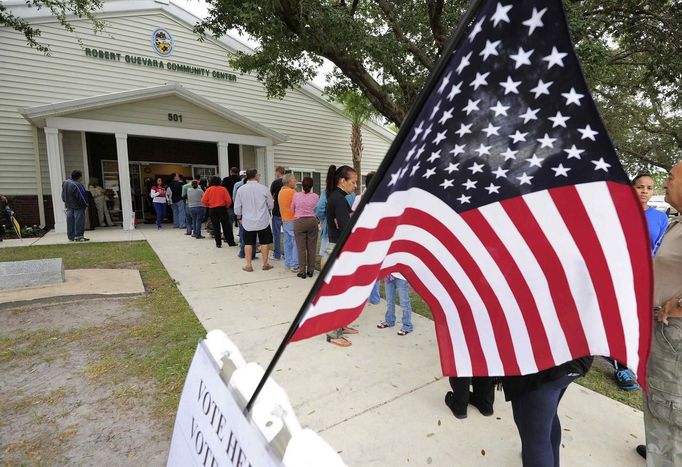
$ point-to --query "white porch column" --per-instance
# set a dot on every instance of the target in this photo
(124, 181)
(265, 158)
(270, 163)
(86, 165)
(223, 160)
(261, 167)
(55, 164)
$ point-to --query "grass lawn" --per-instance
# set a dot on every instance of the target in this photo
(159, 347)
(599, 379)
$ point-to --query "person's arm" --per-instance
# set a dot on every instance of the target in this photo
(154, 193)
(238, 205)
(206, 198)
(270, 201)
(342, 215)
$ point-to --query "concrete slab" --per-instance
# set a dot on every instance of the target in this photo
(80, 283)
(101, 234)
(31, 273)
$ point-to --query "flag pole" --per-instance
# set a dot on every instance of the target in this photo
(409, 121)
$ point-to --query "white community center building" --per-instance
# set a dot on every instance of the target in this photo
(143, 99)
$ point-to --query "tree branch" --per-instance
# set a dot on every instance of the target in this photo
(435, 10)
(398, 33)
(639, 156)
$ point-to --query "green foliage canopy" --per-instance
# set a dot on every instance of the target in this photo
(385, 49)
(61, 9)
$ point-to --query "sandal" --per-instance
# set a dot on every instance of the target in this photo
(384, 325)
(267, 267)
(247, 268)
(340, 341)
(347, 330)
(402, 332)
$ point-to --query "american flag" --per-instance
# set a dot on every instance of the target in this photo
(507, 210)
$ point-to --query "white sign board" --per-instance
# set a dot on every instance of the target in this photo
(210, 428)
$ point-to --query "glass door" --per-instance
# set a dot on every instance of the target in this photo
(204, 171)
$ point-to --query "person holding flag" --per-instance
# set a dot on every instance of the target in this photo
(663, 401)
(503, 203)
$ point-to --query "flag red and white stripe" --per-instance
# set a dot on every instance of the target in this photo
(515, 286)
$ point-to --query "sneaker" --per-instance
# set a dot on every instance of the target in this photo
(625, 380)
(296, 269)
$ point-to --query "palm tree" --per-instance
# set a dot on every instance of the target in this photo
(359, 111)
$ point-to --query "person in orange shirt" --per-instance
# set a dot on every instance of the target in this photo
(285, 199)
(217, 200)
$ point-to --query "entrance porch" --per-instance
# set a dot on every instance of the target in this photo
(125, 134)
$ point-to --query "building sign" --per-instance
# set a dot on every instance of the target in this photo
(210, 428)
(162, 42)
(158, 64)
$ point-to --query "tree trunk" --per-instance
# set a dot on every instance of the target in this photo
(356, 150)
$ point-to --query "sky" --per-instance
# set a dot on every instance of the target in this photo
(200, 9)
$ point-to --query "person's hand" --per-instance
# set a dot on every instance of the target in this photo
(670, 309)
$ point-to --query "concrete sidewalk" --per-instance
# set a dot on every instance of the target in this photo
(380, 401)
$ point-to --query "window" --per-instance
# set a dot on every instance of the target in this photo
(204, 171)
(299, 174)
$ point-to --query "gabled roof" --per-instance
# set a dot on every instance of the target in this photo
(233, 45)
(38, 114)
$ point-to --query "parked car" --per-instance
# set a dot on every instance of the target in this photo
(658, 202)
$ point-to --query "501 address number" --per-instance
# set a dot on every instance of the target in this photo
(175, 117)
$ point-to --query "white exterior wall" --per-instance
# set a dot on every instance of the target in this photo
(73, 153)
(318, 135)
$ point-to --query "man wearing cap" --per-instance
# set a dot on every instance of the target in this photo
(663, 402)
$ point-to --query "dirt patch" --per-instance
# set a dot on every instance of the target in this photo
(65, 394)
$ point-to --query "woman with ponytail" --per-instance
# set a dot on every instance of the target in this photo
(341, 183)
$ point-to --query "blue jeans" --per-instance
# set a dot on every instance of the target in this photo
(75, 222)
(197, 214)
(188, 220)
(536, 418)
(277, 236)
(160, 209)
(178, 213)
(375, 296)
(405, 303)
(290, 252)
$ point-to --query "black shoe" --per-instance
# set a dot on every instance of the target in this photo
(485, 408)
(310, 274)
(232, 244)
(456, 411)
(218, 246)
(301, 275)
(641, 450)
(199, 237)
